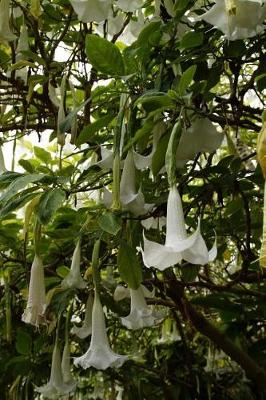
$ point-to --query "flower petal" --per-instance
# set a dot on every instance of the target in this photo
(92, 10)
(159, 256)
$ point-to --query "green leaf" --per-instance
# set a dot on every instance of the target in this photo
(19, 184)
(186, 79)
(110, 223)
(26, 164)
(153, 100)
(129, 266)
(146, 36)
(158, 157)
(42, 154)
(50, 201)
(23, 342)
(89, 130)
(104, 56)
(192, 39)
(18, 201)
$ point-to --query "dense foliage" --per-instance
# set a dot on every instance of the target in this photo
(130, 101)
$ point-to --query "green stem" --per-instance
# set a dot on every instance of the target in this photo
(95, 265)
(37, 237)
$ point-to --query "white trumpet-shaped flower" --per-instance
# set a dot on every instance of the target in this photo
(5, 33)
(92, 10)
(23, 45)
(178, 245)
(56, 386)
(201, 136)
(141, 315)
(237, 19)
(85, 330)
(36, 304)
(120, 293)
(131, 200)
(129, 5)
(74, 278)
(99, 355)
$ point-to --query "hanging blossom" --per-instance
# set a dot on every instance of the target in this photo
(85, 330)
(92, 10)
(141, 315)
(74, 278)
(99, 355)
(36, 304)
(201, 136)
(23, 45)
(178, 246)
(237, 19)
(56, 386)
(129, 5)
(131, 200)
(5, 33)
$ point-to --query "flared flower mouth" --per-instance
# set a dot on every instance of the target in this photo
(92, 10)
(36, 304)
(238, 19)
(56, 387)
(74, 279)
(178, 245)
(141, 315)
(99, 355)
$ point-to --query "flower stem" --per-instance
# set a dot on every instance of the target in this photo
(95, 265)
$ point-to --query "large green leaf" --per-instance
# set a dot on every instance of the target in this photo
(18, 184)
(49, 203)
(104, 56)
(186, 79)
(110, 223)
(129, 266)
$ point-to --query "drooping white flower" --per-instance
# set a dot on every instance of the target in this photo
(201, 136)
(85, 330)
(99, 355)
(107, 158)
(5, 33)
(142, 162)
(237, 19)
(23, 45)
(141, 315)
(133, 29)
(120, 293)
(129, 5)
(68, 379)
(36, 304)
(154, 223)
(56, 386)
(131, 200)
(74, 278)
(178, 246)
(92, 10)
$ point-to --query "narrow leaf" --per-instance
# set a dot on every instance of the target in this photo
(129, 266)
